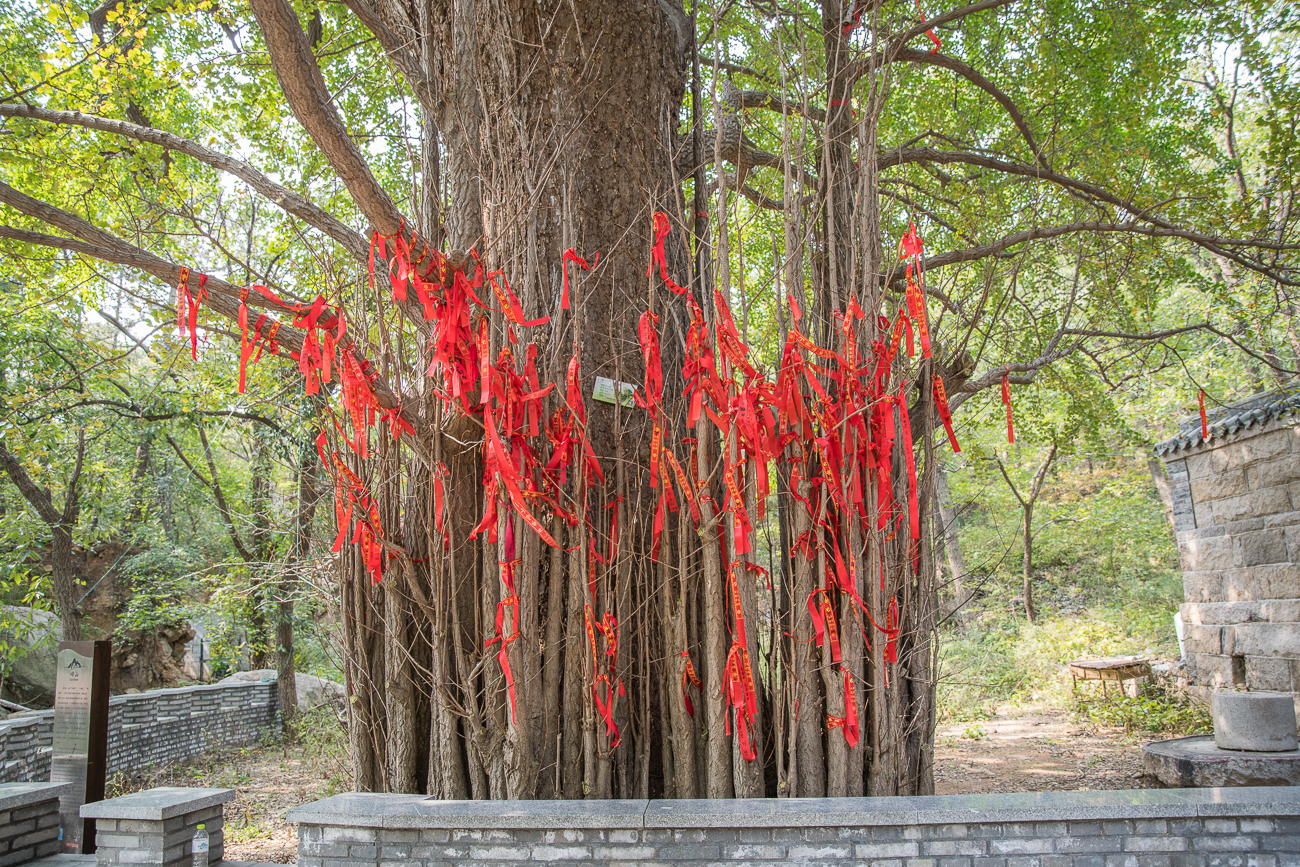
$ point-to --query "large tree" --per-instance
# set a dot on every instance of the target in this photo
(530, 579)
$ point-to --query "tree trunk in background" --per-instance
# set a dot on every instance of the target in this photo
(954, 593)
(67, 589)
(139, 486)
(260, 486)
(287, 586)
(1028, 573)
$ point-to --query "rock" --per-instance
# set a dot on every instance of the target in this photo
(33, 636)
(1254, 721)
(149, 659)
(1195, 762)
(312, 690)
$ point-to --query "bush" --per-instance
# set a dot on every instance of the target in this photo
(1158, 710)
(997, 659)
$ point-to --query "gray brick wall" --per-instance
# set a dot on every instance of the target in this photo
(151, 728)
(29, 826)
(168, 842)
(1164, 828)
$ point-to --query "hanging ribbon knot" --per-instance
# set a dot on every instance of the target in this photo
(945, 414)
(929, 34)
(689, 676)
(657, 257)
(571, 255)
(848, 722)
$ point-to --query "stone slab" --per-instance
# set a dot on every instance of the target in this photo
(785, 812)
(420, 811)
(1236, 777)
(15, 795)
(63, 860)
(155, 805)
(360, 810)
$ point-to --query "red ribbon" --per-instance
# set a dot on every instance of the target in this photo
(689, 676)
(1205, 422)
(849, 722)
(571, 255)
(661, 229)
(945, 414)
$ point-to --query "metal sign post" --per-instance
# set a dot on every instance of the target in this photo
(80, 748)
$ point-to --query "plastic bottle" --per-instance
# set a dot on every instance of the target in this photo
(200, 847)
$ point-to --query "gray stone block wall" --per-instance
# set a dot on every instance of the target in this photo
(29, 823)
(149, 728)
(1237, 517)
(1165, 828)
(164, 843)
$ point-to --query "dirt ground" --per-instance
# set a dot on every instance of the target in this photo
(269, 780)
(1034, 750)
(1027, 750)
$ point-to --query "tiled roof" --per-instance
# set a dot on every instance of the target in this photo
(1245, 414)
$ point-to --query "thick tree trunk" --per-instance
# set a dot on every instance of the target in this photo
(558, 132)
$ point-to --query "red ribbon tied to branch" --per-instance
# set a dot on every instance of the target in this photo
(929, 34)
(945, 414)
(848, 722)
(689, 676)
(571, 255)
(1205, 421)
(661, 228)
(187, 308)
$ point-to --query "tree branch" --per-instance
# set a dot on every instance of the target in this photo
(398, 51)
(1041, 475)
(215, 486)
(304, 89)
(223, 297)
(292, 203)
(968, 72)
(897, 42)
(772, 102)
(1029, 369)
(71, 502)
(1215, 244)
(1209, 242)
(32, 492)
(1010, 484)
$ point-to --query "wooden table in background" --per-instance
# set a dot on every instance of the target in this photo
(1115, 669)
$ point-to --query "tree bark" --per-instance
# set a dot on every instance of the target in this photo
(61, 523)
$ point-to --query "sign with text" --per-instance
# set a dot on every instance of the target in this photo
(611, 391)
(80, 747)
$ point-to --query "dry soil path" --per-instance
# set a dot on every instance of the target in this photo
(1034, 750)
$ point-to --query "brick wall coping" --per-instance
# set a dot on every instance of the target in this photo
(360, 810)
(156, 805)
(15, 795)
(22, 718)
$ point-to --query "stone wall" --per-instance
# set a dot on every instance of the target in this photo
(1152, 828)
(1236, 509)
(29, 821)
(150, 728)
